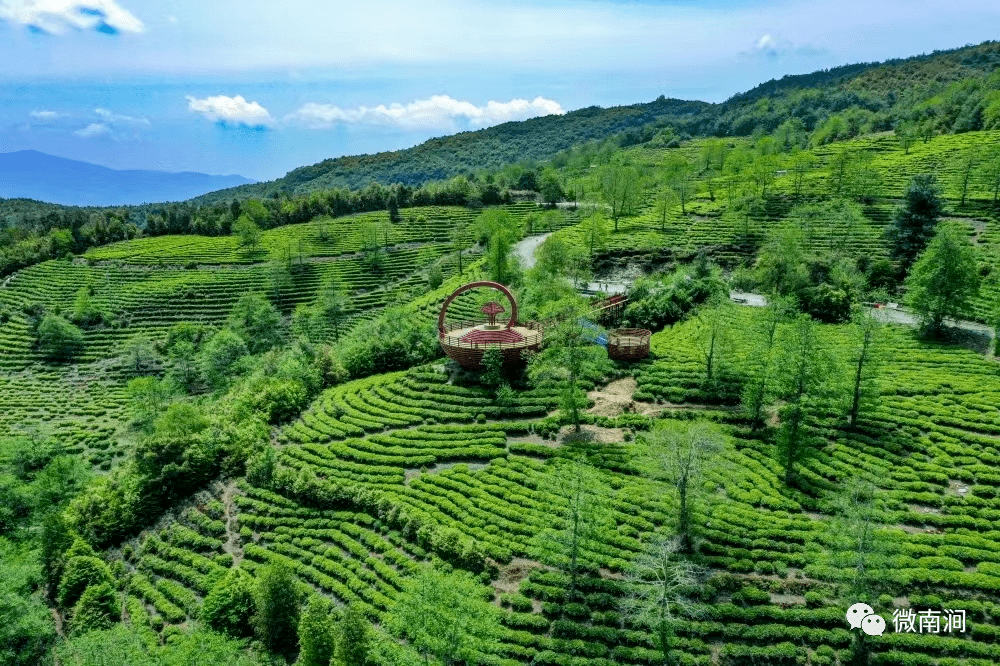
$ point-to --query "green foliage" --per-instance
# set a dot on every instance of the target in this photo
(126, 644)
(139, 355)
(914, 223)
(317, 633)
(389, 342)
(229, 607)
(98, 608)
(664, 299)
(27, 631)
(58, 339)
(148, 396)
(354, 639)
(277, 601)
(248, 233)
(806, 372)
(86, 313)
(499, 232)
(80, 573)
(944, 279)
(583, 518)
(659, 585)
(781, 264)
(679, 453)
(557, 258)
(570, 359)
(256, 321)
(220, 357)
(493, 372)
(446, 616)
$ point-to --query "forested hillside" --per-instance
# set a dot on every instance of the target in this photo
(949, 91)
(228, 433)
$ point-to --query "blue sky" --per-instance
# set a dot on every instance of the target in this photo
(258, 88)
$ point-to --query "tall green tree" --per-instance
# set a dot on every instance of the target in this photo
(781, 265)
(354, 639)
(714, 337)
(621, 187)
(333, 306)
(568, 358)
(229, 605)
(660, 586)
(595, 232)
(944, 280)
(759, 385)
(549, 187)
(914, 222)
(446, 616)
(583, 519)
(966, 167)
(247, 233)
(989, 171)
(866, 355)
(139, 356)
(317, 633)
(58, 339)
(860, 548)
(800, 165)
(805, 372)
(219, 357)
(679, 453)
(256, 321)
(277, 603)
(681, 178)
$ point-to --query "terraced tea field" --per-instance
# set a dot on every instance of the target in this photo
(147, 285)
(409, 465)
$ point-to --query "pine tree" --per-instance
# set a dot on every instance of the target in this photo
(914, 223)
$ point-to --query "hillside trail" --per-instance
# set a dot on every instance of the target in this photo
(888, 315)
(232, 533)
(524, 250)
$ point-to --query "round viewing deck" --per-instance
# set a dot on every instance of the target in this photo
(467, 341)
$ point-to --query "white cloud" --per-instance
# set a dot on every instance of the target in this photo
(45, 116)
(767, 43)
(436, 112)
(60, 16)
(115, 118)
(231, 110)
(92, 130)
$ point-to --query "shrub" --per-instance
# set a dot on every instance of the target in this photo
(80, 573)
(98, 608)
(751, 596)
(58, 339)
(229, 607)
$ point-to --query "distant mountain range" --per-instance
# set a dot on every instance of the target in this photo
(29, 174)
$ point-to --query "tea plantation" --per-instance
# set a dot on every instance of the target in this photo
(355, 459)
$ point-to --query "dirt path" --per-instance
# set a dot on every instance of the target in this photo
(232, 545)
(524, 250)
(889, 315)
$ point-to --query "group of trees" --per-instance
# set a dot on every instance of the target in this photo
(287, 618)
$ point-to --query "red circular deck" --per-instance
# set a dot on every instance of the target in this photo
(467, 341)
(487, 335)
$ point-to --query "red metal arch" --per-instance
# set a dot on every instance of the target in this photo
(474, 285)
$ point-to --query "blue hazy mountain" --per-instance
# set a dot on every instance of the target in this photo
(29, 174)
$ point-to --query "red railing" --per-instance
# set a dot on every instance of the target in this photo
(531, 338)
